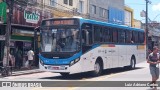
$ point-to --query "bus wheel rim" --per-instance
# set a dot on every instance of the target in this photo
(97, 67)
(132, 63)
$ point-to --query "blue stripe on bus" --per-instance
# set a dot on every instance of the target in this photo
(82, 20)
(60, 61)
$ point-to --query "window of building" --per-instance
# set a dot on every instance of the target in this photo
(71, 2)
(81, 6)
(93, 9)
(53, 2)
(65, 2)
(102, 12)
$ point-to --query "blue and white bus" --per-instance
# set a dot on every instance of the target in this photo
(75, 45)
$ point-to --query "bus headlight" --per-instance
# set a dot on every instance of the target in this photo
(74, 61)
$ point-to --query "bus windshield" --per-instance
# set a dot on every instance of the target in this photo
(59, 39)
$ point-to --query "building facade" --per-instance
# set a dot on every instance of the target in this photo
(153, 34)
(66, 8)
(137, 24)
(107, 10)
(129, 19)
(24, 21)
(103, 10)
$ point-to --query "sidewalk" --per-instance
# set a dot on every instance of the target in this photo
(24, 72)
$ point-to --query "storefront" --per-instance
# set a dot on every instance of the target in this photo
(22, 39)
(23, 36)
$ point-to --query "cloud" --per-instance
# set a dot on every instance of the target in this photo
(156, 7)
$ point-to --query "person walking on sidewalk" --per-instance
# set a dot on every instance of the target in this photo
(154, 60)
(30, 55)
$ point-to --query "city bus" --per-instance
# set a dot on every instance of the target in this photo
(76, 45)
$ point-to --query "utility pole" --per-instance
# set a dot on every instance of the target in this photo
(8, 30)
(147, 1)
(10, 4)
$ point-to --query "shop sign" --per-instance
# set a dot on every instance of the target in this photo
(32, 16)
(116, 15)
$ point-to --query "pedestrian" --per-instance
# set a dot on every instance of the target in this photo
(153, 60)
(30, 55)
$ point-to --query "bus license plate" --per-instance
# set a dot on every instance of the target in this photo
(57, 68)
(62, 67)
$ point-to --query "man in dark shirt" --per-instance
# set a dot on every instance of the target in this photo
(153, 60)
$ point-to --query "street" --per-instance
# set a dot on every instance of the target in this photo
(141, 73)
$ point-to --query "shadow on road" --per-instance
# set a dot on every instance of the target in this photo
(87, 75)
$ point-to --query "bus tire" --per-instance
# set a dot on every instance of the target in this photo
(64, 74)
(132, 63)
(97, 68)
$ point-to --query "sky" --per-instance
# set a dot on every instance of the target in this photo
(139, 5)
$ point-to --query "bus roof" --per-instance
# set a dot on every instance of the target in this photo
(109, 24)
(83, 20)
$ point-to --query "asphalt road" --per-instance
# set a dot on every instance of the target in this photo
(112, 79)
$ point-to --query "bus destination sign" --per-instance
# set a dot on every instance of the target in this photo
(60, 22)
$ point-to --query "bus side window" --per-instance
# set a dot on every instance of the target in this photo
(121, 36)
(115, 36)
(129, 37)
(141, 37)
(135, 37)
(83, 37)
(87, 33)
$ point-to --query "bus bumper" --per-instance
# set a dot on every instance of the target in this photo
(55, 68)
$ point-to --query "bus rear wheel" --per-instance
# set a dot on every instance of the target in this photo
(64, 74)
(132, 63)
(97, 69)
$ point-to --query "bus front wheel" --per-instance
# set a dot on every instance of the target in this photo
(97, 69)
